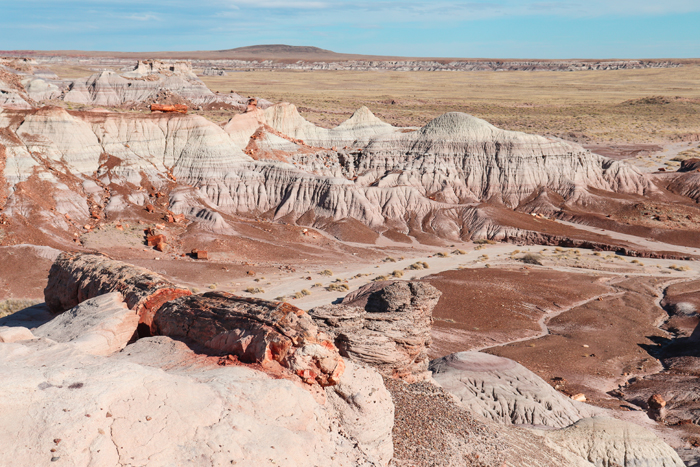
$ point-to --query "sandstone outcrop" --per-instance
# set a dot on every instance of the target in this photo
(12, 93)
(256, 331)
(147, 81)
(429, 180)
(386, 325)
(76, 277)
(607, 442)
(365, 410)
(505, 391)
(158, 404)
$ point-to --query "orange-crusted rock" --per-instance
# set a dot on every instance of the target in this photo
(154, 240)
(76, 277)
(178, 108)
(256, 331)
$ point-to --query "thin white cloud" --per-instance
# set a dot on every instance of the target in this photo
(143, 17)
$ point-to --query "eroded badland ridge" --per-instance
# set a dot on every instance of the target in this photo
(378, 292)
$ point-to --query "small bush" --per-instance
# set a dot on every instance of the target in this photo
(397, 273)
(389, 259)
(675, 267)
(379, 278)
(337, 288)
(442, 254)
(531, 258)
(484, 241)
(254, 290)
(212, 286)
(317, 284)
(326, 272)
(305, 292)
(459, 252)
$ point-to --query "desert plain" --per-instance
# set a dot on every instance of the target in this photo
(540, 227)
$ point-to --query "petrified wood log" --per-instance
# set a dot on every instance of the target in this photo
(257, 331)
(76, 277)
(384, 324)
(179, 108)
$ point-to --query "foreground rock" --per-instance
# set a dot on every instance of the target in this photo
(256, 331)
(386, 325)
(99, 326)
(159, 404)
(505, 391)
(608, 442)
(76, 277)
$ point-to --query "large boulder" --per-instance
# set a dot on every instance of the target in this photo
(256, 331)
(386, 325)
(76, 277)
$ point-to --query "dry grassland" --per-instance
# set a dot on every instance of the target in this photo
(649, 105)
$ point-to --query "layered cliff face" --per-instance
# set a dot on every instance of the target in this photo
(273, 161)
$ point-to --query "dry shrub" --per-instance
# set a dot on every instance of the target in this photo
(531, 258)
(337, 288)
(13, 305)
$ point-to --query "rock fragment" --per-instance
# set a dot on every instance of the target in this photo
(656, 408)
(386, 325)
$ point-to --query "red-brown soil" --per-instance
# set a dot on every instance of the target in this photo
(600, 344)
(485, 307)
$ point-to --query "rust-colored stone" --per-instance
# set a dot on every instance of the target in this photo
(150, 208)
(177, 108)
(153, 240)
(76, 277)
(254, 330)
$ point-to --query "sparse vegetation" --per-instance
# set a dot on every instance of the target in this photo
(380, 278)
(13, 305)
(326, 272)
(254, 290)
(389, 259)
(675, 267)
(419, 265)
(442, 254)
(397, 273)
(212, 286)
(337, 288)
(301, 294)
(459, 252)
(317, 284)
(484, 241)
(531, 258)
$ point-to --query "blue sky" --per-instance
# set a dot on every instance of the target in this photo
(441, 28)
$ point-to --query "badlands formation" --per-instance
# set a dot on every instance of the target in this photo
(112, 219)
